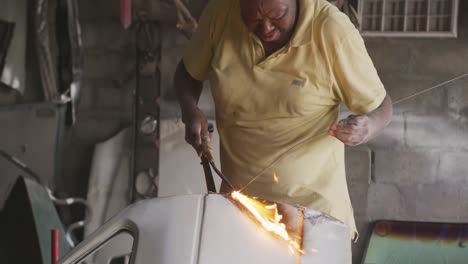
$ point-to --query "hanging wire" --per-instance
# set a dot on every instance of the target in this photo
(326, 131)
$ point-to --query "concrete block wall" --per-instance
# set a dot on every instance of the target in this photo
(428, 140)
(109, 70)
(419, 166)
(173, 44)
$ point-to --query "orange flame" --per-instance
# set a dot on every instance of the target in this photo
(268, 216)
(275, 177)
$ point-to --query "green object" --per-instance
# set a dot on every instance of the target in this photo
(417, 243)
(27, 220)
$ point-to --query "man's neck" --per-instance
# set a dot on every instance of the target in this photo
(272, 47)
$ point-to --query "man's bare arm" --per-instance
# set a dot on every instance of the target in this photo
(359, 129)
(188, 91)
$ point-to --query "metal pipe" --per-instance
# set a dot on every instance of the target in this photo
(136, 99)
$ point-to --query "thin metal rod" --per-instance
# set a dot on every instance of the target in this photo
(427, 90)
(326, 131)
(284, 154)
(209, 180)
(55, 246)
(221, 175)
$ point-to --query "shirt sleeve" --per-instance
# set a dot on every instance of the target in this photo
(356, 80)
(199, 51)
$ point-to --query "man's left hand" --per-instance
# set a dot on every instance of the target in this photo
(353, 130)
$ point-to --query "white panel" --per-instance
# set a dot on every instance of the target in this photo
(119, 245)
(210, 229)
(325, 240)
(169, 229)
(108, 183)
(229, 236)
(166, 231)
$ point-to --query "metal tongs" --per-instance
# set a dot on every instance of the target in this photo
(207, 162)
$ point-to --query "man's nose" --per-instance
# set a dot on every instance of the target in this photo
(267, 26)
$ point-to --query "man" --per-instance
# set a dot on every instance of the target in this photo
(279, 70)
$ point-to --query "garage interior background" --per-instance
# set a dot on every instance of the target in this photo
(415, 171)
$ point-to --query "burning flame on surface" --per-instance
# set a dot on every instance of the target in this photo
(268, 216)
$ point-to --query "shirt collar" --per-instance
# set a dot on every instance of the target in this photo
(304, 27)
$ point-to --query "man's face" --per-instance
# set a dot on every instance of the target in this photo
(270, 20)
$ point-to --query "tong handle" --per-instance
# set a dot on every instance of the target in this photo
(206, 158)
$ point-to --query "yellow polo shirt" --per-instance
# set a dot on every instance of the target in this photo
(264, 106)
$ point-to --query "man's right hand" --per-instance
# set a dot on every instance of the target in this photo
(196, 129)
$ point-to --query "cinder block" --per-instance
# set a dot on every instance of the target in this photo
(102, 94)
(449, 60)
(95, 127)
(463, 205)
(99, 10)
(393, 136)
(397, 63)
(156, 10)
(109, 98)
(439, 131)
(173, 44)
(89, 35)
(458, 99)
(165, 11)
(404, 167)
(358, 165)
(384, 202)
(402, 88)
(108, 65)
(442, 201)
(87, 96)
(454, 167)
(435, 202)
(106, 35)
(358, 173)
(359, 200)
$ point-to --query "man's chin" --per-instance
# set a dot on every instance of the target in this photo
(270, 39)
